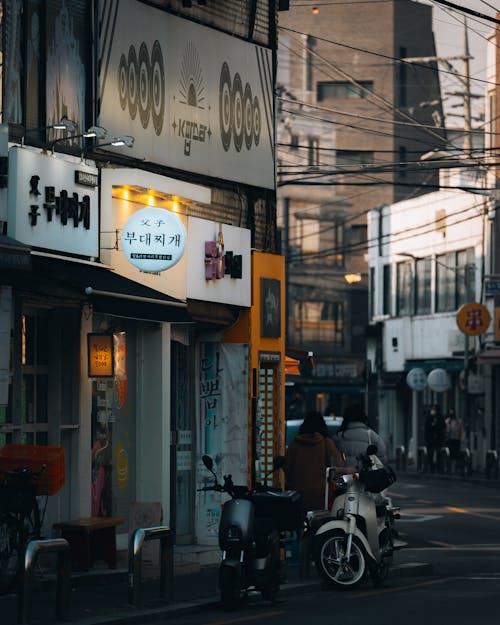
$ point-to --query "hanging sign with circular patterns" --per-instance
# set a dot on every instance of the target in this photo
(416, 379)
(438, 380)
(473, 318)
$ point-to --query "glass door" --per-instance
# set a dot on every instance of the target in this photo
(182, 442)
(34, 377)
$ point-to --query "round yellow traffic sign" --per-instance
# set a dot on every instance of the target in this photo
(473, 318)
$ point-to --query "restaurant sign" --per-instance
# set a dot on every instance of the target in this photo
(153, 239)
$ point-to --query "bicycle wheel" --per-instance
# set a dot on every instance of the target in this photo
(10, 553)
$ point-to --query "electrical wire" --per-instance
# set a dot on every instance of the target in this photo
(429, 203)
(463, 9)
(402, 235)
(384, 56)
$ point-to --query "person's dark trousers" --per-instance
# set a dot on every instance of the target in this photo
(432, 457)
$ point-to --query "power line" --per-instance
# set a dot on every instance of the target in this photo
(380, 54)
(458, 7)
(374, 98)
(408, 233)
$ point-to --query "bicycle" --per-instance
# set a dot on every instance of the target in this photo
(20, 521)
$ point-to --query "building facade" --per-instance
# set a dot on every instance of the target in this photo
(129, 230)
(426, 270)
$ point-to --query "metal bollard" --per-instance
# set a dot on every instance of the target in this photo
(422, 458)
(444, 462)
(165, 536)
(491, 464)
(465, 463)
(25, 595)
(401, 458)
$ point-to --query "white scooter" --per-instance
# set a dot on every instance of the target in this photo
(357, 536)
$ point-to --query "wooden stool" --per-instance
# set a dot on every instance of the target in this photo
(90, 540)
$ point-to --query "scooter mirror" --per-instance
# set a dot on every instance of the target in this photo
(371, 450)
(208, 462)
(279, 462)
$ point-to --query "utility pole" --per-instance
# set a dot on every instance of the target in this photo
(467, 95)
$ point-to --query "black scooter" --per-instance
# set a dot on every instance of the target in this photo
(249, 536)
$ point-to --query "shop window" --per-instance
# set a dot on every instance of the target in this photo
(313, 152)
(319, 322)
(455, 279)
(404, 288)
(344, 90)
(35, 379)
(387, 292)
(423, 286)
(353, 157)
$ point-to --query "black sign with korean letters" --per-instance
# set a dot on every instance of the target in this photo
(47, 209)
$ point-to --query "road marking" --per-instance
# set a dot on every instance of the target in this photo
(384, 591)
(417, 518)
(455, 548)
(398, 495)
(473, 512)
(493, 576)
(251, 617)
(438, 543)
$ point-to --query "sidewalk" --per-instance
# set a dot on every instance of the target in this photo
(100, 597)
(477, 477)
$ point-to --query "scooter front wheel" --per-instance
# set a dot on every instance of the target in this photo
(230, 589)
(331, 562)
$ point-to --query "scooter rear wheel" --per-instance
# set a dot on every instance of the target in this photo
(230, 589)
(329, 558)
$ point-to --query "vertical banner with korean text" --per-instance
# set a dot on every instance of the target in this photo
(222, 427)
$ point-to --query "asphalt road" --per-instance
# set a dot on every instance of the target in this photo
(453, 525)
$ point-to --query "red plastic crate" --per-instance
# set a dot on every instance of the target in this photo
(33, 457)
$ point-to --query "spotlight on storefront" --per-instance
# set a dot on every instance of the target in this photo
(125, 140)
(63, 124)
(96, 132)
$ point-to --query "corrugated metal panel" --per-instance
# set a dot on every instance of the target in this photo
(231, 16)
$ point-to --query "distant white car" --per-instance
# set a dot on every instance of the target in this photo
(292, 427)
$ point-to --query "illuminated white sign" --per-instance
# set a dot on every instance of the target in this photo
(153, 239)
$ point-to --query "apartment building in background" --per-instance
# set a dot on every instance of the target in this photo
(352, 122)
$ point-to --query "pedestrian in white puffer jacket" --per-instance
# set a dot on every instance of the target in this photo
(355, 435)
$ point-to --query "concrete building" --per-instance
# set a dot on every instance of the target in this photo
(352, 121)
(428, 260)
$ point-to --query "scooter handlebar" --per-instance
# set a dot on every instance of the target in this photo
(215, 487)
